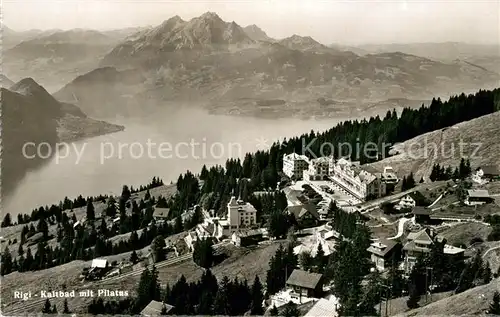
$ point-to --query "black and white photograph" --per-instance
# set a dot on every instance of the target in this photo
(295, 158)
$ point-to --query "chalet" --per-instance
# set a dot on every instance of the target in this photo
(246, 237)
(98, 269)
(477, 197)
(406, 202)
(417, 243)
(422, 214)
(384, 254)
(306, 215)
(305, 284)
(155, 308)
(161, 213)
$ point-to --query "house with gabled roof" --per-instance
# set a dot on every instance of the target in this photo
(305, 284)
(385, 253)
(306, 215)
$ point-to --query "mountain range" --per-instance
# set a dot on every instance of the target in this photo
(54, 57)
(31, 114)
(229, 69)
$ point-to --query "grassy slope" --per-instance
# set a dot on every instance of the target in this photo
(243, 263)
(484, 130)
(471, 302)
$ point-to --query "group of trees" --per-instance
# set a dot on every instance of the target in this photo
(281, 267)
(207, 296)
(440, 173)
(48, 308)
(445, 273)
(408, 182)
(203, 253)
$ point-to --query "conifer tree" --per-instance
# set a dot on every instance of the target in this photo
(66, 309)
(257, 297)
(495, 304)
(47, 307)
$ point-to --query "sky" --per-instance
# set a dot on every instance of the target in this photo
(328, 21)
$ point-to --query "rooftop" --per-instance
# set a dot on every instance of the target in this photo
(490, 170)
(300, 211)
(421, 211)
(479, 193)
(295, 156)
(304, 279)
(382, 248)
(449, 249)
(323, 308)
(161, 212)
(154, 308)
(100, 263)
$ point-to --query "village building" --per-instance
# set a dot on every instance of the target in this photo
(477, 197)
(305, 284)
(355, 180)
(306, 215)
(422, 214)
(385, 254)
(241, 214)
(407, 202)
(161, 214)
(324, 308)
(319, 169)
(489, 172)
(155, 308)
(244, 238)
(421, 242)
(388, 176)
(294, 165)
(98, 268)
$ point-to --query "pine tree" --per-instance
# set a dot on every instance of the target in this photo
(66, 309)
(90, 210)
(158, 249)
(486, 274)
(495, 304)
(6, 221)
(291, 310)
(319, 259)
(133, 257)
(7, 265)
(47, 307)
(257, 297)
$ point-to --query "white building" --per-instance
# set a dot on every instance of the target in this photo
(389, 176)
(406, 202)
(356, 181)
(319, 169)
(294, 165)
(240, 214)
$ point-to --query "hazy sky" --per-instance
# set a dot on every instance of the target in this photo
(328, 21)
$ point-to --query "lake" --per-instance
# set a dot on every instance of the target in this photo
(170, 142)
